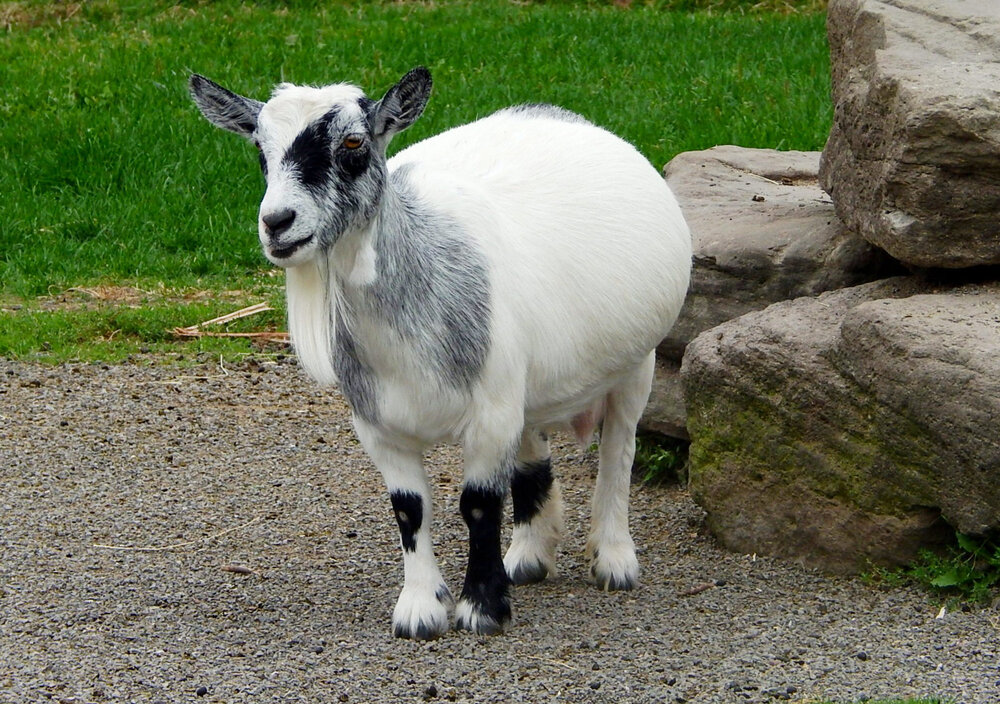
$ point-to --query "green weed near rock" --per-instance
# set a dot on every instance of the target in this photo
(966, 571)
(660, 459)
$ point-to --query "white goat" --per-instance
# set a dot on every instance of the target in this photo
(483, 286)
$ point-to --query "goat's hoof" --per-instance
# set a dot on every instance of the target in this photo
(527, 572)
(473, 617)
(529, 560)
(420, 615)
(615, 568)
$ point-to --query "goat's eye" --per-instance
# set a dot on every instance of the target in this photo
(352, 142)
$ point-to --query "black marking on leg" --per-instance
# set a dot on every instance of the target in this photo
(409, 509)
(443, 595)
(529, 488)
(486, 582)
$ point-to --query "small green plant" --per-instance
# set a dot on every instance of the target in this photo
(968, 570)
(659, 458)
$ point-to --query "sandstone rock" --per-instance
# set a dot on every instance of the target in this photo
(665, 413)
(913, 159)
(839, 430)
(763, 231)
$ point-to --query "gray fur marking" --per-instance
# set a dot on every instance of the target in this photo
(432, 286)
(356, 380)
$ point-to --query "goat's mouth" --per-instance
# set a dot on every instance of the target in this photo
(290, 249)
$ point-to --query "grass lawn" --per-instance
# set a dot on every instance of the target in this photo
(110, 178)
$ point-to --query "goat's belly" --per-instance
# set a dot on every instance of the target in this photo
(560, 404)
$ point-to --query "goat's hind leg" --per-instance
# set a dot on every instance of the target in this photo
(538, 512)
(422, 608)
(613, 563)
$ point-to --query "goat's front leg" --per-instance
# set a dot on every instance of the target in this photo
(484, 606)
(422, 608)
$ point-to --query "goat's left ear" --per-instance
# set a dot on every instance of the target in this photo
(402, 104)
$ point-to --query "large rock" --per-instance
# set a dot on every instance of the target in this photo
(840, 430)
(763, 231)
(913, 159)
(932, 360)
(666, 412)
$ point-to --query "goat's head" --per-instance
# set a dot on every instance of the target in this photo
(322, 151)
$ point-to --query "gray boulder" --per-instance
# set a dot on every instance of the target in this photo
(913, 159)
(843, 430)
(931, 360)
(666, 412)
(763, 231)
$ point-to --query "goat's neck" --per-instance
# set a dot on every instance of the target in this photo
(336, 282)
(354, 260)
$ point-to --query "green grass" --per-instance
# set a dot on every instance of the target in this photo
(109, 175)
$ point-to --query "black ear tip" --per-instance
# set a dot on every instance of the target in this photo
(197, 81)
(419, 74)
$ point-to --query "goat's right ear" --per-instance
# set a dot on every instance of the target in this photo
(402, 104)
(223, 108)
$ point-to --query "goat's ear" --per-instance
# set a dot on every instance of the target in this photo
(402, 104)
(223, 108)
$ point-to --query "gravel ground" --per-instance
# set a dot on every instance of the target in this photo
(216, 534)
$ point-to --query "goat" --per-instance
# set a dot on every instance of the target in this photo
(483, 286)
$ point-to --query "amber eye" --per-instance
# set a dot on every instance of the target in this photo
(352, 142)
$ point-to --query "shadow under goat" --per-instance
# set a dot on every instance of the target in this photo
(484, 286)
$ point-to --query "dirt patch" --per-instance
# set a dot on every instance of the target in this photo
(82, 298)
(22, 15)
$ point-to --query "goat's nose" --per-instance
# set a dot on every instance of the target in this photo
(277, 222)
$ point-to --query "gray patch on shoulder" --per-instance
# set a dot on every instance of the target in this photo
(433, 286)
(356, 380)
(552, 112)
